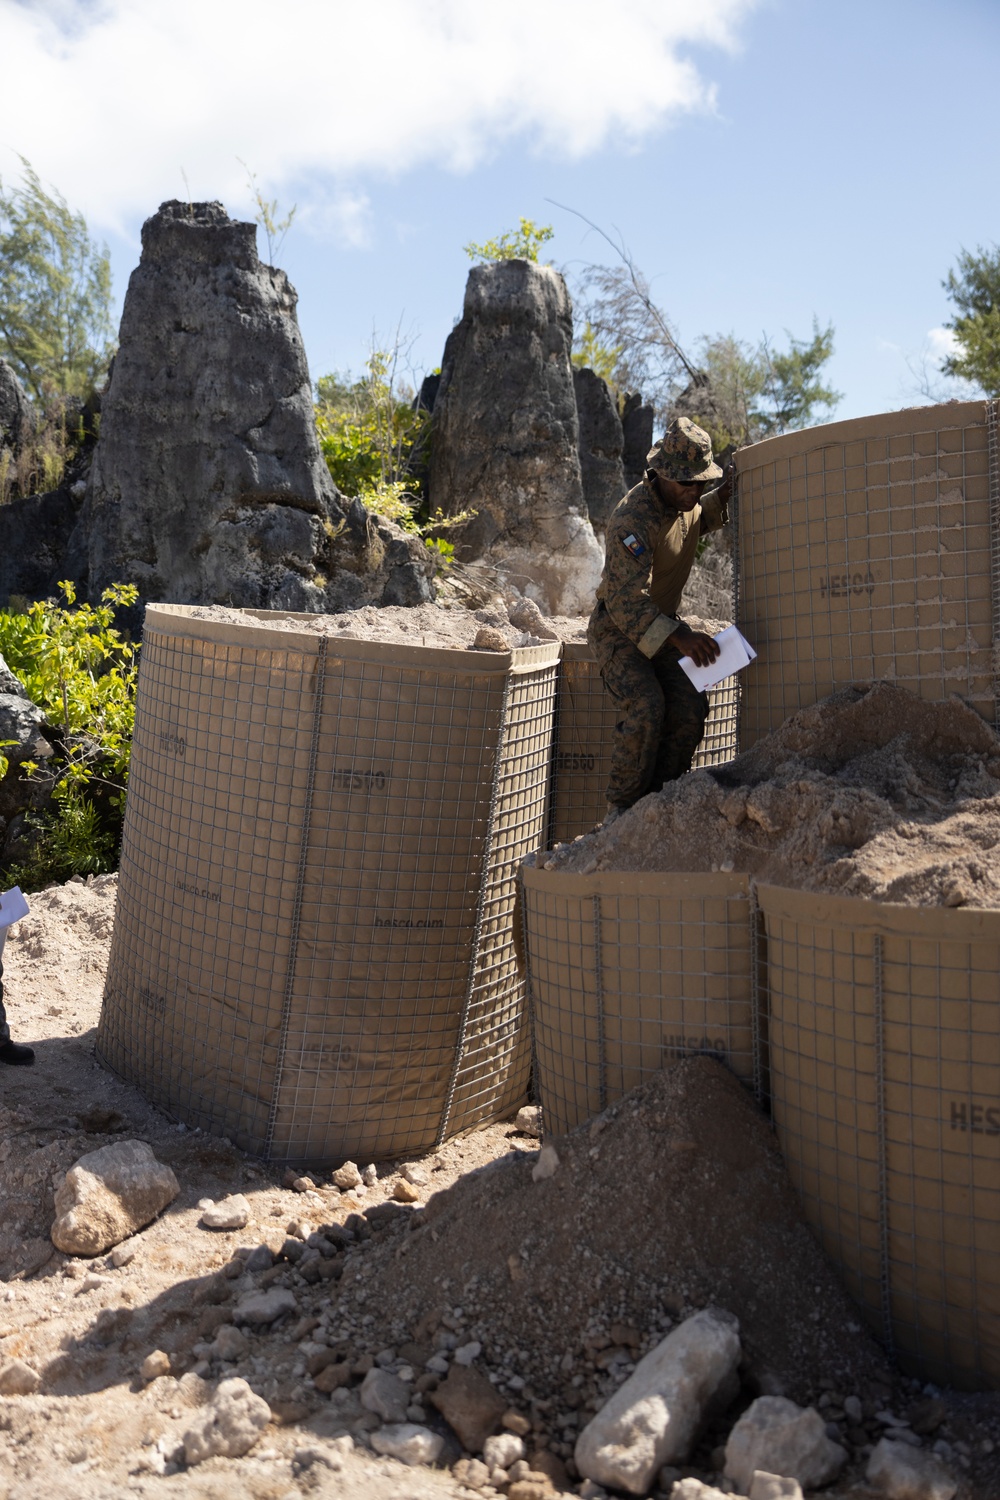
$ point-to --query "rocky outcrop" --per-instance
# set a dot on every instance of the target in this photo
(505, 437)
(637, 436)
(601, 443)
(208, 485)
(35, 532)
(16, 418)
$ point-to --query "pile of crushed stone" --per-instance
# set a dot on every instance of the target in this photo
(872, 792)
(674, 1199)
(517, 623)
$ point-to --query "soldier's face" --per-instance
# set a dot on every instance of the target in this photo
(680, 496)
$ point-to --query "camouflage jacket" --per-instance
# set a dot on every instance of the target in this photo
(650, 550)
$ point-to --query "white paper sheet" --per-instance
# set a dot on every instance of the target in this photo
(12, 907)
(735, 653)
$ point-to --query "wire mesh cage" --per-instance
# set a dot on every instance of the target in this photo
(630, 972)
(312, 949)
(864, 552)
(884, 1043)
(585, 723)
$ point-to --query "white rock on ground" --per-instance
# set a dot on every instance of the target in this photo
(109, 1194)
(503, 1450)
(547, 1164)
(386, 1395)
(229, 1426)
(347, 1176)
(652, 1419)
(693, 1489)
(230, 1213)
(155, 1364)
(529, 1120)
(905, 1473)
(778, 1437)
(19, 1379)
(774, 1487)
(258, 1309)
(229, 1343)
(415, 1173)
(407, 1441)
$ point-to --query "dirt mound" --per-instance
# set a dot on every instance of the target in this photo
(447, 626)
(675, 1198)
(872, 792)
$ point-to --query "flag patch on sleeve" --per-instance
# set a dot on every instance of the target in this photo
(632, 544)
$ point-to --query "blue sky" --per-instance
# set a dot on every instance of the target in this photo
(765, 162)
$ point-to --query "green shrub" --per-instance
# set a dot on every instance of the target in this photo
(81, 671)
(523, 243)
(370, 432)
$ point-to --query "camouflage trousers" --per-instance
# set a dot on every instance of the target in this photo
(660, 714)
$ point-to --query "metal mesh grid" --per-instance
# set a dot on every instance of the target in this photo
(864, 553)
(885, 1083)
(628, 973)
(585, 721)
(313, 944)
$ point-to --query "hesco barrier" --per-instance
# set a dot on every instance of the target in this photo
(870, 549)
(628, 973)
(585, 721)
(312, 949)
(884, 1030)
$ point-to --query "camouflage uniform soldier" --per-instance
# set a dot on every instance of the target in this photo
(636, 635)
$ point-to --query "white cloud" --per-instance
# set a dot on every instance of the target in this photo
(111, 99)
(941, 342)
(343, 216)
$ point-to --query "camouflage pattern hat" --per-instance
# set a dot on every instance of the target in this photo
(684, 453)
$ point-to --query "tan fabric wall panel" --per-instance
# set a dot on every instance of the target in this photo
(884, 1030)
(313, 887)
(863, 553)
(585, 721)
(629, 972)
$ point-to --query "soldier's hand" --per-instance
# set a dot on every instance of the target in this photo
(701, 648)
(725, 489)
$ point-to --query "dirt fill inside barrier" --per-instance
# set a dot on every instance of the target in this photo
(673, 1199)
(872, 792)
(312, 949)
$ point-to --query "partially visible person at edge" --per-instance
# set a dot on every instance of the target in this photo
(14, 1053)
(635, 631)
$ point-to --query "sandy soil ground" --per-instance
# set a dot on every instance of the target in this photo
(553, 1348)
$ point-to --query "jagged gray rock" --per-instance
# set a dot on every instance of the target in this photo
(601, 446)
(207, 484)
(505, 437)
(16, 416)
(637, 436)
(21, 727)
(10, 682)
(35, 532)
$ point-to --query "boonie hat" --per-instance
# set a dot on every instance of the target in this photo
(684, 453)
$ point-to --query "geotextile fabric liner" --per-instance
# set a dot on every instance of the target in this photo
(585, 722)
(884, 1046)
(312, 949)
(870, 549)
(630, 972)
